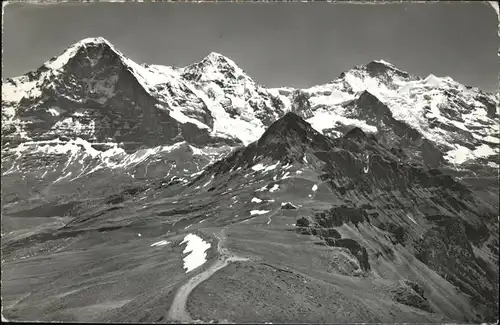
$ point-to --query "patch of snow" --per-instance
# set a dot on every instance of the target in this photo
(269, 168)
(263, 188)
(492, 139)
(324, 119)
(160, 243)
(63, 177)
(177, 113)
(461, 154)
(139, 235)
(484, 151)
(55, 111)
(384, 62)
(258, 167)
(492, 164)
(315, 188)
(274, 188)
(197, 248)
(256, 200)
(412, 219)
(197, 173)
(258, 212)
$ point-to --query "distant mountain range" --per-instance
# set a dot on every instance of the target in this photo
(93, 92)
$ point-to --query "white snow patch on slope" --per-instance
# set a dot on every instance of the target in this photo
(256, 200)
(176, 113)
(461, 154)
(274, 188)
(263, 188)
(269, 168)
(197, 248)
(323, 119)
(483, 151)
(24, 88)
(258, 167)
(258, 212)
(412, 219)
(492, 139)
(160, 243)
(55, 111)
(315, 187)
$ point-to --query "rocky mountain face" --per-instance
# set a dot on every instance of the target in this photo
(376, 205)
(392, 177)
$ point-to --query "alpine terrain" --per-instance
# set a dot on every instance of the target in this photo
(147, 193)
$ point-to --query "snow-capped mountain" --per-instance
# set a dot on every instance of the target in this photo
(93, 98)
(462, 122)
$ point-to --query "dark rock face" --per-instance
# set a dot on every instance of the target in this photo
(337, 216)
(301, 105)
(385, 71)
(447, 248)
(411, 294)
(302, 222)
(288, 139)
(355, 248)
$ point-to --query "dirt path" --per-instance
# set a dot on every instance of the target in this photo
(178, 311)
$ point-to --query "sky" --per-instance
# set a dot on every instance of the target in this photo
(277, 44)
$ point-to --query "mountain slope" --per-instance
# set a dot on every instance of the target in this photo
(364, 198)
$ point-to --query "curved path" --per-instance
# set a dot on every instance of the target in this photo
(178, 311)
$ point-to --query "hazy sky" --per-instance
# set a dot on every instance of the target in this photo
(293, 44)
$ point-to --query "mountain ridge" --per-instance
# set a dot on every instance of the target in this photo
(215, 102)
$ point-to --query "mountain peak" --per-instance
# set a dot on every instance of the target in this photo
(382, 67)
(214, 66)
(93, 40)
(80, 48)
(386, 63)
(291, 129)
(216, 56)
(288, 139)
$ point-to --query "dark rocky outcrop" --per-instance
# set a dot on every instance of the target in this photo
(411, 293)
(288, 206)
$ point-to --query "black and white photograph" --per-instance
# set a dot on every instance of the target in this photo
(250, 162)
